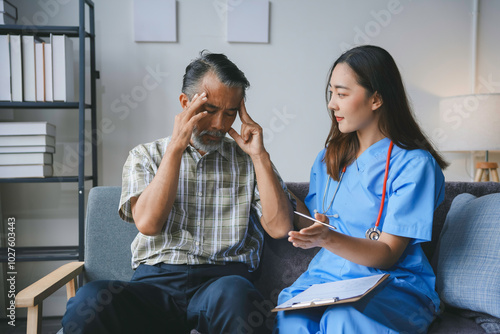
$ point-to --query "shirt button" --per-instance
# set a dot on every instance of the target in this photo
(197, 243)
(336, 215)
(198, 223)
(200, 194)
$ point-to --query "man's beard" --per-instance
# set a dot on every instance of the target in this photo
(209, 145)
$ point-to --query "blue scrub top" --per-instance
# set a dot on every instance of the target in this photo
(415, 187)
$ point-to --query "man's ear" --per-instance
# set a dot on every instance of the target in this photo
(377, 101)
(184, 100)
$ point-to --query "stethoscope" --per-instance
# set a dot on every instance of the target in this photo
(373, 233)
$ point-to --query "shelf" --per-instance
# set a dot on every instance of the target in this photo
(42, 31)
(85, 38)
(52, 179)
(54, 253)
(42, 105)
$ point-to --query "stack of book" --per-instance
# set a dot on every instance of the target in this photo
(36, 70)
(26, 149)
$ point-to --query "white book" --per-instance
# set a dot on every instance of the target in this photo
(49, 96)
(62, 68)
(29, 74)
(5, 88)
(32, 140)
(40, 71)
(25, 159)
(25, 171)
(27, 128)
(27, 149)
(16, 68)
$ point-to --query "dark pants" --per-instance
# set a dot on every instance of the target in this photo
(169, 299)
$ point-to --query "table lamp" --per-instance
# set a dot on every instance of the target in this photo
(471, 123)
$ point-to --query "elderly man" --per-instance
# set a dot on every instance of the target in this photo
(201, 203)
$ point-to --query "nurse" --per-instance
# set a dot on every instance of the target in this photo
(378, 181)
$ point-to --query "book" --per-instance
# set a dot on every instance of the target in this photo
(16, 68)
(31, 140)
(49, 96)
(27, 149)
(29, 74)
(40, 71)
(25, 159)
(345, 291)
(62, 68)
(5, 88)
(27, 128)
(25, 171)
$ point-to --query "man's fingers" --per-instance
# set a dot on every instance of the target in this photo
(196, 118)
(235, 135)
(196, 102)
(244, 116)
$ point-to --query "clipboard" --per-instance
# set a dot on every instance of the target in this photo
(339, 292)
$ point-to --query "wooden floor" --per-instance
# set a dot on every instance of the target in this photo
(49, 326)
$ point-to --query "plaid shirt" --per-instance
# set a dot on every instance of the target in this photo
(216, 214)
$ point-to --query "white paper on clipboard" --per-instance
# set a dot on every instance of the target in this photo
(333, 292)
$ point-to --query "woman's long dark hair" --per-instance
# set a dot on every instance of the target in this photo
(377, 72)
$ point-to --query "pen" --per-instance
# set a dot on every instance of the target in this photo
(315, 220)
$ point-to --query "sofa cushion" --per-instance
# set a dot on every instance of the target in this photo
(468, 273)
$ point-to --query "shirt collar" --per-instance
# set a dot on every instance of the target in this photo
(223, 150)
(377, 150)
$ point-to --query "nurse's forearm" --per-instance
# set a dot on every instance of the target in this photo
(381, 254)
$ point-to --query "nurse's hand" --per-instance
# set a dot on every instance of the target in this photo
(312, 236)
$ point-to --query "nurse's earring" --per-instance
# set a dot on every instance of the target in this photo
(372, 233)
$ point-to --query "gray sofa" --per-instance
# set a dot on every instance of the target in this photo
(282, 263)
(107, 256)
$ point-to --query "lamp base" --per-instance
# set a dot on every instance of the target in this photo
(487, 168)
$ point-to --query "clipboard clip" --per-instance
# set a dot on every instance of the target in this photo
(315, 302)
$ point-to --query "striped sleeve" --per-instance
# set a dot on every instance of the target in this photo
(138, 172)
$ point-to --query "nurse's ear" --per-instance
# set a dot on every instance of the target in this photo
(376, 100)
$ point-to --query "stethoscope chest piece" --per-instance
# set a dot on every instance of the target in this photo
(372, 233)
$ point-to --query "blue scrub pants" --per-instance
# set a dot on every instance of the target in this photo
(168, 299)
(385, 310)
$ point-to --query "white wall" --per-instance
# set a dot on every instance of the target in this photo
(429, 39)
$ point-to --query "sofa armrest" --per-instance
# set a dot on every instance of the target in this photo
(33, 296)
(44, 287)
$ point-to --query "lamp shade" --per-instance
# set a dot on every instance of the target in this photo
(469, 123)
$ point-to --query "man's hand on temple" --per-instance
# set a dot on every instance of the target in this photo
(250, 139)
(186, 121)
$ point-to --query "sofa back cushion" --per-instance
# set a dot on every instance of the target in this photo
(468, 266)
(107, 237)
(451, 191)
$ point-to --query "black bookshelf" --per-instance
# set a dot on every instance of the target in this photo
(52, 179)
(42, 31)
(52, 253)
(43, 105)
